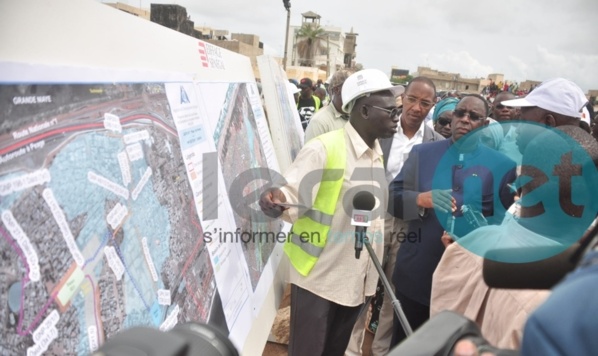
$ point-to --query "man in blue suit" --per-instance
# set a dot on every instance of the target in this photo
(438, 182)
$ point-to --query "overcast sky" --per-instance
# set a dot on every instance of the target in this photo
(522, 39)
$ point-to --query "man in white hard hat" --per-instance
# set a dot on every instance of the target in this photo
(328, 283)
(417, 99)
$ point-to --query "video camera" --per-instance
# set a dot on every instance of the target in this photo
(190, 339)
(439, 335)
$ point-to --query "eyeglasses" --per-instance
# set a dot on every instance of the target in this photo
(391, 112)
(423, 103)
(472, 115)
(444, 122)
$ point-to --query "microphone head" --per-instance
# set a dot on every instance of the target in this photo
(364, 200)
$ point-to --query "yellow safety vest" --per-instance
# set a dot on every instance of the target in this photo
(309, 233)
(317, 103)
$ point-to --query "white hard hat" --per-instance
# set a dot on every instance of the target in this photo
(293, 88)
(364, 82)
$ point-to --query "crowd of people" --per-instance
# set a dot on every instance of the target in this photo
(463, 176)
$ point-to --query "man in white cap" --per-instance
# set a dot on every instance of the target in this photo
(555, 102)
(328, 283)
(560, 99)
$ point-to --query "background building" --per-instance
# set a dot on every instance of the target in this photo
(446, 81)
(176, 18)
(331, 50)
(245, 44)
(135, 11)
(350, 51)
(399, 76)
(529, 84)
(324, 47)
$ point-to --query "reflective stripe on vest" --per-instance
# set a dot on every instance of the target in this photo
(310, 232)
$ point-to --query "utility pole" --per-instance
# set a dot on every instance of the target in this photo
(287, 6)
(327, 55)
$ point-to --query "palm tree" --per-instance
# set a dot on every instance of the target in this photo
(310, 36)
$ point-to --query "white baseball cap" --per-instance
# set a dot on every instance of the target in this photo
(365, 82)
(558, 95)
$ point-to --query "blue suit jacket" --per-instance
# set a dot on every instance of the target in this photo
(566, 323)
(475, 178)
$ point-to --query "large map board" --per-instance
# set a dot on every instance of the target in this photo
(111, 179)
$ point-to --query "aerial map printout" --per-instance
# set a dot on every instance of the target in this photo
(243, 155)
(106, 195)
(282, 110)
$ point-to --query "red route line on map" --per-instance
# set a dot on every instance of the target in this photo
(16, 248)
(61, 131)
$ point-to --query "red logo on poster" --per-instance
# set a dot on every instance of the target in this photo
(203, 56)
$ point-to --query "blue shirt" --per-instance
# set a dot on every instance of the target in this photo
(567, 322)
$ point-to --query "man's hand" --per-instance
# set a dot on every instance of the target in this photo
(467, 348)
(446, 239)
(437, 199)
(269, 202)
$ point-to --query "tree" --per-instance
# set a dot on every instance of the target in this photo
(310, 41)
(402, 80)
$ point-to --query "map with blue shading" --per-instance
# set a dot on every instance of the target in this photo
(99, 230)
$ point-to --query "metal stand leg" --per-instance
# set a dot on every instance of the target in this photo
(388, 289)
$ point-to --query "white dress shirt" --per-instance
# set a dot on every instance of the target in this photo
(400, 148)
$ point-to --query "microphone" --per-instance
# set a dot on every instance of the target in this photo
(542, 274)
(363, 203)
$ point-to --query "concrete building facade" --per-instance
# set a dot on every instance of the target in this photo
(333, 44)
(529, 84)
(446, 81)
(135, 11)
(245, 44)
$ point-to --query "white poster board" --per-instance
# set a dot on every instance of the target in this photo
(101, 141)
(283, 118)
